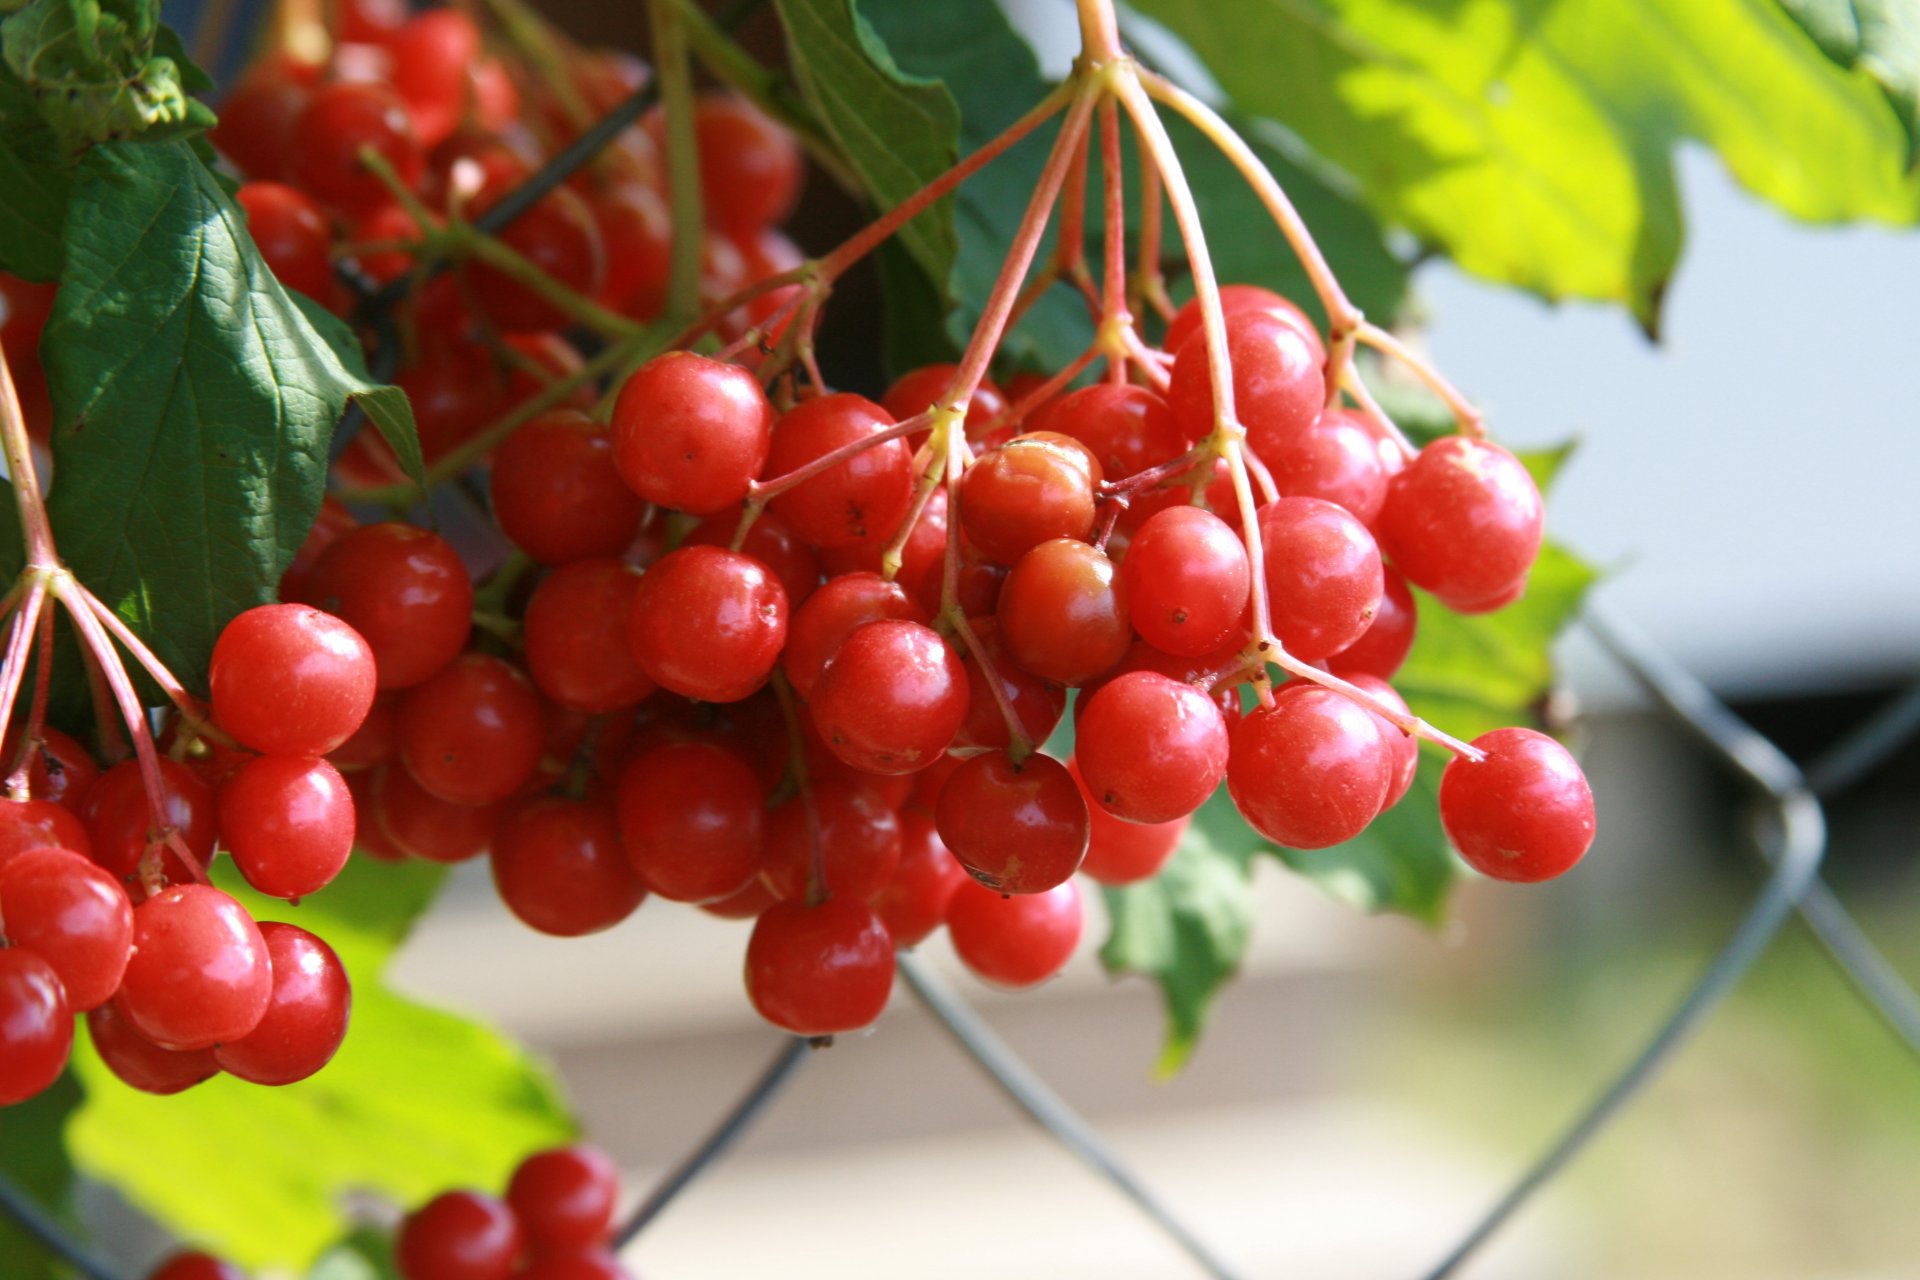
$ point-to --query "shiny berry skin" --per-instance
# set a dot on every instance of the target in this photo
(432, 53)
(1388, 639)
(73, 915)
(708, 623)
(565, 1197)
(1187, 578)
(831, 614)
(1121, 852)
(458, 1235)
(1278, 384)
(425, 826)
(1463, 521)
(195, 1265)
(691, 432)
(1017, 828)
(1402, 748)
(290, 680)
(405, 591)
(59, 769)
(1310, 771)
(288, 822)
(291, 232)
(1126, 428)
(859, 843)
(575, 634)
(892, 697)
(306, 1019)
(1337, 459)
(141, 1064)
(772, 542)
(557, 493)
(200, 973)
(1324, 579)
(1020, 941)
(745, 904)
(39, 824)
(1524, 813)
(918, 390)
(1234, 299)
(36, 1025)
(119, 819)
(559, 866)
(1150, 749)
(692, 820)
(1063, 612)
(472, 733)
(750, 167)
(1037, 703)
(1025, 492)
(860, 501)
(914, 903)
(559, 236)
(819, 970)
(323, 157)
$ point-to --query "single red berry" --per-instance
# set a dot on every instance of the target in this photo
(1235, 298)
(1279, 385)
(288, 679)
(751, 169)
(1337, 459)
(772, 542)
(559, 866)
(691, 432)
(405, 591)
(819, 970)
(195, 1265)
(306, 1019)
(891, 698)
(1324, 580)
(141, 1064)
(1064, 612)
(1402, 748)
(458, 1235)
(375, 742)
(425, 826)
(472, 733)
(1463, 521)
(822, 624)
(1187, 578)
(708, 623)
(1121, 852)
(1387, 641)
(1524, 813)
(1150, 749)
(638, 236)
(914, 903)
(59, 769)
(323, 156)
(73, 915)
(859, 839)
(200, 973)
(1019, 941)
(1029, 490)
(36, 1024)
(557, 493)
(291, 232)
(120, 820)
(860, 501)
(1127, 428)
(918, 390)
(39, 824)
(1310, 771)
(575, 632)
(565, 1197)
(692, 820)
(258, 114)
(288, 821)
(1018, 828)
(432, 54)
(1037, 703)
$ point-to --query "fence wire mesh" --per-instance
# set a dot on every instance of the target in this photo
(1787, 821)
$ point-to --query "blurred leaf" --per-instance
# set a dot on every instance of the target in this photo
(1880, 38)
(1533, 142)
(1188, 928)
(33, 1155)
(418, 1100)
(366, 1254)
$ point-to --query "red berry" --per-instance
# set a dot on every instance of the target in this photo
(1310, 771)
(1037, 703)
(708, 623)
(432, 54)
(120, 821)
(291, 232)
(59, 770)
(1121, 852)
(195, 1265)
(575, 1264)
(323, 156)
(1278, 384)
(692, 820)
(1150, 749)
(919, 390)
(73, 915)
(914, 903)
(691, 432)
(557, 235)
(750, 167)
(575, 634)
(472, 733)
(1463, 521)
(288, 821)
(306, 1018)
(1064, 612)
(1324, 580)
(559, 866)
(1025, 492)
(290, 680)
(557, 493)
(565, 1197)
(638, 236)
(1235, 298)
(458, 1235)
(1018, 941)
(36, 1025)
(859, 843)
(1127, 428)
(425, 826)
(39, 824)
(200, 973)
(1402, 748)
(860, 501)
(831, 614)
(141, 1064)
(1018, 828)
(258, 115)
(892, 697)
(772, 542)
(405, 591)
(1337, 459)
(1524, 813)
(1187, 578)
(819, 970)
(1384, 645)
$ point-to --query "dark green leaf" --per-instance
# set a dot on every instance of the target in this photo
(416, 1101)
(1188, 928)
(1881, 39)
(33, 1155)
(193, 402)
(1534, 142)
(32, 212)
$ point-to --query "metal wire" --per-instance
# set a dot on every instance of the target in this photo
(49, 1234)
(1050, 1111)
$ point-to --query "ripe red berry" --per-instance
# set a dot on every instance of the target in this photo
(1463, 521)
(258, 115)
(819, 970)
(1310, 771)
(575, 1264)
(1127, 428)
(692, 820)
(750, 167)
(323, 157)
(1064, 612)
(200, 974)
(36, 1025)
(1025, 492)
(638, 236)
(1402, 748)
(432, 54)
(1524, 813)
(1324, 580)
(39, 824)
(120, 821)
(422, 824)
(1337, 459)
(1018, 828)
(59, 770)
(1235, 298)
(288, 679)
(141, 1064)
(859, 842)
(1121, 852)
(914, 903)
(1150, 749)
(575, 632)
(857, 502)
(691, 432)
(708, 623)
(1278, 384)
(892, 697)
(557, 493)
(306, 1018)
(565, 1197)
(472, 733)
(291, 232)
(918, 390)
(1187, 577)
(830, 615)
(1037, 703)
(1019, 941)
(288, 821)
(1384, 645)
(73, 915)
(559, 866)
(458, 1235)
(405, 591)
(772, 542)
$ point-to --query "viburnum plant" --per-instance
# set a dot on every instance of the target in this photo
(622, 592)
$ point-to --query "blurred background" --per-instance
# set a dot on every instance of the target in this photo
(1368, 1086)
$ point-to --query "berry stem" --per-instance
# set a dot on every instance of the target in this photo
(24, 622)
(1388, 344)
(510, 262)
(535, 39)
(1150, 284)
(1019, 744)
(1114, 315)
(1370, 409)
(927, 484)
(31, 740)
(1099, 31)
(191, 710)
(35, 527)
(675, 72)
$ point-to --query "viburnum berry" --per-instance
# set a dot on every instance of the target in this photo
(750, 168)
(831, 614)
(59, 770)
(1403, 749)
(424, 825)
(1388, 639)
(575, 632)
(120, 820)
(1463, 521)
(558, 235)
(73, 915)
(575, 1264)
(36, 1025)
(819, 969)
(1025, 492)
(918, 390)
(1019, 941)
(1337, 459)
(1121, 852)
(708, 623)
(772, 542)
(637, 234)
(557, 493)
(405, 591)
(891, 698)
(323, 156)
(692, 820)
(1018, 828)
(288, 821)
(306, 1017)
(1187, 578)
(1064, 612)
(459, 1235)
(471, 734)
(1234, 299)
(857, 502)
(1311, 770)
(564, 1198)
(560, 868)
(38, 824)
(1150, 749)
(1524, 813)
(192, 1264)
(1127, 428)
(914, 903)
(258, 114)
(1324, 580)
(288, 679)
(432, 52)
(691, 432)
(141, 1064)
(291, 232)
(1037, 703)
(1279, 386)
(200, 974)
(859, 841)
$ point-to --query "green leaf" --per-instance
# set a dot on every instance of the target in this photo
(1189, 927)
(1880, 39)
(83, 72)
(1401, 863)
(193, 402)
(32, 213)
(417, 1100)
(1534, 142)
(33, 1155)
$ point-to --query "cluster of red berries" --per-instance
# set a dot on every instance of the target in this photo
(104, 909)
